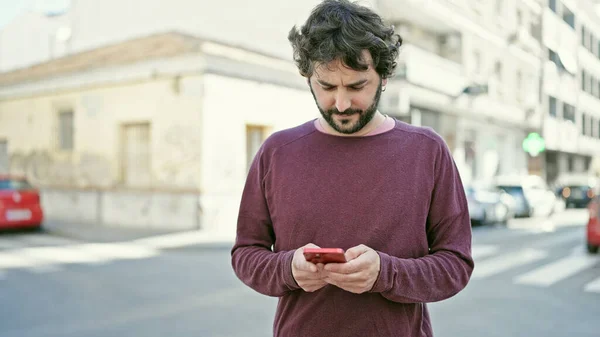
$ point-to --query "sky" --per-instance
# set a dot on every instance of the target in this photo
(9, 9)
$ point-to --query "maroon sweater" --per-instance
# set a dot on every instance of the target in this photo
(398, 192)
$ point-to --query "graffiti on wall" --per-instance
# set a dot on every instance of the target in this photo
(43, 168)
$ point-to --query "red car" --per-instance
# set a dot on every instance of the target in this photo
(593, 226)
(20, 205)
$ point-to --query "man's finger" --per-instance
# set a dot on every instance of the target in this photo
(343, 268)
(355, 252)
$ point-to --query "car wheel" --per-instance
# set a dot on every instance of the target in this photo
(592, 249)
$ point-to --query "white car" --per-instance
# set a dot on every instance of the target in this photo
(532, 195)
(488, 204)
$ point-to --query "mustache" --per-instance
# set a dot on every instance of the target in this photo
(347, 112)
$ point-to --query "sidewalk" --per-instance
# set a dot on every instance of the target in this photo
(157, 238)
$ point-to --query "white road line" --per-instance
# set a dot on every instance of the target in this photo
(503, 263)
(481, 251)
(12, 260)
(560, 239)
(183, 239)
(67, 254)
(593, 287)
(112, 251)
(556, 271)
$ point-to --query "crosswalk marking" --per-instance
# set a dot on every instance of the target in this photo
(10, 260)
(557, 271)
(61, 255)
(118, 251)
(503, 263)
(481, 251)
(40, 253)
(593, 287)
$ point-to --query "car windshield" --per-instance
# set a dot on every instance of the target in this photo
(512, 190)
(14, 184)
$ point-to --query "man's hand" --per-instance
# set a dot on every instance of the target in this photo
(359, 274)
(309, 276)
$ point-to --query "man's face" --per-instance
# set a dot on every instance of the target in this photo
(346, 98)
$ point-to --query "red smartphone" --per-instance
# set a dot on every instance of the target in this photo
(324, 255)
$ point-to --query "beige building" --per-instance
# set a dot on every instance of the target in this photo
(151, 132)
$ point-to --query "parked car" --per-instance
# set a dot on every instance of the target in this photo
(20, 205)
(577, 190)
(488, 204)
(532, 195)
(593, 225)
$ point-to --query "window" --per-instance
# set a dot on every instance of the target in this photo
(477, 62)
(553, 56)
(568, 17)
(536, 30)
(571, 163)
(136, 155)
(498, 73)
(598, 128)
(569, 112)
(594, 87)
(552, 106)
(255, 136)
(65, 130)
(552, 5)
(519, 18)
(519, 86)
(583, 36)
(584, 124)
(583, 80)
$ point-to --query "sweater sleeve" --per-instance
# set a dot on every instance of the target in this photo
(252, 258)
(447, 268)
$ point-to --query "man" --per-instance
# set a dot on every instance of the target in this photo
(387, 192)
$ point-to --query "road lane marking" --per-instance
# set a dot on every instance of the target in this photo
(503, 263)
(120, 251)
(558, 270)
(481, 251)
(593, 287)
(10, 260)
(182, 239)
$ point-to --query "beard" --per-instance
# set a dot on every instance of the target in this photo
(346, 126)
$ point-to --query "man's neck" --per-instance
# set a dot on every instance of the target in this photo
(373, 124)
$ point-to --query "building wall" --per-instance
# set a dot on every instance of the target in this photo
(172, 106)
(230, 104)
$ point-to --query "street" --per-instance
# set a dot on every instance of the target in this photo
(532, 278)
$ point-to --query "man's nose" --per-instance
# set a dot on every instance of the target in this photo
(342, 101)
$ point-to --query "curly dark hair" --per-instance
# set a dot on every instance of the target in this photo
(340, 29)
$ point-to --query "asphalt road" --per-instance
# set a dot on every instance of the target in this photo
(532, 279)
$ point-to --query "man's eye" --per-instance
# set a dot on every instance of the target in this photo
(328, 88)
(356, 88)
